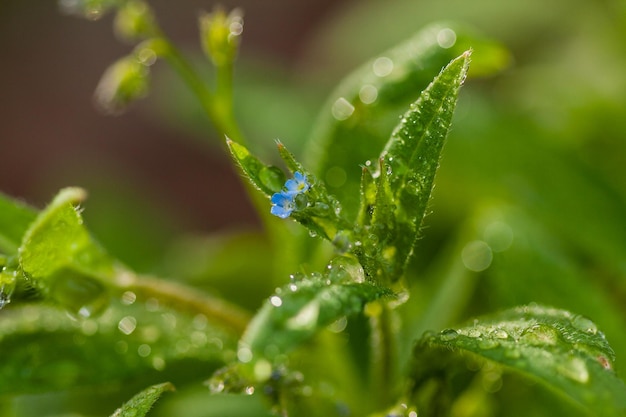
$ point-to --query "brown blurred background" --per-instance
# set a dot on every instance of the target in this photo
(53, 136)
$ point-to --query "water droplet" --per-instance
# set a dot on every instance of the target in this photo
(146, 56)
(152, 305)
(262, 370)
(339, 325)
(584, 324)
(413, 187)
(342, 109)
(574, 368)
(500, 334)
(312, 233)
(474, 333)
(81, 295)
(342, 242)
(448, 335)
(8, 280)
(158, 363)
(129, 298)
(540, 335)
(446, 38)
(200, 322)
(306, 317)
(144, 350)
(499, 236)
(382, 66)
(513, 353)
(272, 177)
(293, 287)
(89, 327)
(368, 94)
(249, 390)
(216, 385)
(276, 301)
(345, 269)
(477, 256)
(488, 344)
(244, 354)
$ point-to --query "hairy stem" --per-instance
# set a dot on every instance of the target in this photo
(219, 106)
(382, 373)
(217, 310)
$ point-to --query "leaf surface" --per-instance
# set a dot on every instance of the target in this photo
(135, 339)
(299, 310)
(140, 404)
(565, 352)
(408, 165)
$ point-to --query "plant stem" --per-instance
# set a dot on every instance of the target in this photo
(383, 351)
(221, 312)
(218, 107)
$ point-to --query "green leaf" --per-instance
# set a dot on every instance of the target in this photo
(315, 209)
(266, 178)
(356, 119)
(15, 218)
(137, 340)
(407, 171)
(300, 309)
(59, 257)
(563, 351)
(140, 404)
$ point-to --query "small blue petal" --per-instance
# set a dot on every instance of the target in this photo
(298, 184)
(282, 205)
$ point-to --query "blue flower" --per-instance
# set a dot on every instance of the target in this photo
(282, 204)
(297, 185)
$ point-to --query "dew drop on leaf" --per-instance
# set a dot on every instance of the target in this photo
(276, 301)
(500, 334)
(584, 324)
(448, 335)
(306, 317)
(81, 295)
(574, 368)
(540, 335)
(488, 344)
(7, 286)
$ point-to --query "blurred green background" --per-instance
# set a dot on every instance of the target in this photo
(530, 200)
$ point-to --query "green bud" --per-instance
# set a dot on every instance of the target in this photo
(122, 83)
(220, 35)
(135, 21)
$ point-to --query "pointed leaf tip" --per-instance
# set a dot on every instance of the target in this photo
(140, 404)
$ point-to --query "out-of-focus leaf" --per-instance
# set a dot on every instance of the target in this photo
(409, 163)
(565, 352)
(58, 239)
(140, 404)
(362, 109)
(135, 339)
(302, 308)
(15, 218)
(59, 257)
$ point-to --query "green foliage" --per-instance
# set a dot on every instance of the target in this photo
(140, 404)
(335, 306)
(565, 352)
